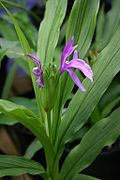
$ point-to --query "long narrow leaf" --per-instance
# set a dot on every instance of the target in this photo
(15, 166)
(106, 67)
(110, 22)
(30, 121)
(84, 177)
(26, 49)
(7, 120)
(82, 23)
(23, 41)
(49, 29)
(34, 146)
(103, 133)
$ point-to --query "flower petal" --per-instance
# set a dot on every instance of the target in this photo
(67, 51)
(35, 59)
(76, 79)
(39, 82)
(37, 71)
(82, 66)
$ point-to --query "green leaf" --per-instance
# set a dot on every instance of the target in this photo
(103, 133)
(112, 93)
(24, 44)
(82, 105)
(109, 101)
(99, 28)
(106, 111)
(84, 177)
(95, 116)
(82, 23)
(28, 103)
(111, 23)
(7, 31)
(26, 49)
(13, 50)
(15, 166)
(36, 128)
(21, 6)
(79, 134)
(30, 121)
(49, 29)
(34, 146)
(62, 33)
(27, 27)
(112, 20)
(13, 47)
(7, 120)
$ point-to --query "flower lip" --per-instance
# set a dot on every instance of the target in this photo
(75, 63)
(82, 66)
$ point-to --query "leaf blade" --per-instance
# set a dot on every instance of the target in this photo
(30, 121)
(84, 177)
(79, 111)
(15, 166)
(78, 27)
(103, 133)
(82, 23)
(49, 29)
(26, 49)
(34, 146)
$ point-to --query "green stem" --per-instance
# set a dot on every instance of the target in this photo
(56, 171)
(49, 122)
(53, 171)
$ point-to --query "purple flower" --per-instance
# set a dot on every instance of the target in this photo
(37, 70)
(74, 63)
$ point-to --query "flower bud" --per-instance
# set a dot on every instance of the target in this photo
(50, 90)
